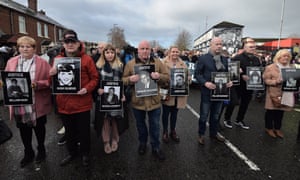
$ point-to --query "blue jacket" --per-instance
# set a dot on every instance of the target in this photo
(204, 67)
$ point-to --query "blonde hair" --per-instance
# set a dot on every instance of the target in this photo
(116, 62)
(280, 53)
(26, 40)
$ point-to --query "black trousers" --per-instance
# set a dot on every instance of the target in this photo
(273, 119)
(26, 135)
(77, 128)
(245, 98)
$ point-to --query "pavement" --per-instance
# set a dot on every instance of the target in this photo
(246, 154)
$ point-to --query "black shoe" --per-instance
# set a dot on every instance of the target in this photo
(142, 149)
(159, 154)
(67, 160)
(26, 160)
(41, 156)
(227, 123)
(62, 141)
(85, 161)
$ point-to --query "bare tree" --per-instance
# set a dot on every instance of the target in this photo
(116, 37)
(183, 40)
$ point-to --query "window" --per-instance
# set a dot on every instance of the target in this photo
(60, 34)
(22, 24)
(46, 30)
(39, 29)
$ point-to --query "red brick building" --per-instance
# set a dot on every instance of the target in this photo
(18, 20)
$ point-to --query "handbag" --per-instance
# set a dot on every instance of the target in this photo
(276, 101)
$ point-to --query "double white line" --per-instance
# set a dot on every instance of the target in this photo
(241, 155)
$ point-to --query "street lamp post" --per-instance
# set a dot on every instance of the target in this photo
(281, 23)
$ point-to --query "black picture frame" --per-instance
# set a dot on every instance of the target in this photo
(113, 101)
(234, 72)
(291, 79)
(67, 80)
(255, 81)
(145, 86)
(221, 92)
(179, 83)
(17, 89)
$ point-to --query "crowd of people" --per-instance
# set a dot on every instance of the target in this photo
(106, 65)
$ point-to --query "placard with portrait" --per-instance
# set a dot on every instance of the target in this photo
(221, 92)
(255, 81)
(111, 99)
(145, 86)
(234, 72)
(17, 88)
(67, 79)
(291, 79)
(179, 84)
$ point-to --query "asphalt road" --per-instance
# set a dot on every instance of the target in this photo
(246, 154)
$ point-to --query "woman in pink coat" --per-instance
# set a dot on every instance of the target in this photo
(273, 80)
(35, 116)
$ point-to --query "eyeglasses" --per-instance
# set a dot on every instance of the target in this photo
(67, 41)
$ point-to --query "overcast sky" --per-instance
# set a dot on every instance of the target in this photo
(162, 20)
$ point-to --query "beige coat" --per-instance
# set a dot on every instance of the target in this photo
(271, 73)
(181, 100)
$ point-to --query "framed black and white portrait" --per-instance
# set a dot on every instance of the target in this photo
(17, 88)
(67, 79)
(111, 99)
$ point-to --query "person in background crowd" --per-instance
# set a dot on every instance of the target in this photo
(146, 105)
(213, 61)
(75, 108)
(170, 107)
(273, 80)
(35, 116)
(247, 59)
(110, 68)
(100, 48)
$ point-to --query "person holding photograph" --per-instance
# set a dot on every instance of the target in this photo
(247, 59)
(35, 116)
(171, 106)
(273, 80)
(213, 61)
(110, 68)
(149, 105)
(75, 109)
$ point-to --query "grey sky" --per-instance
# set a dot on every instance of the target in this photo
(162, 20)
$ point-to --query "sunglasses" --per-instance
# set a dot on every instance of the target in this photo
(67, 41)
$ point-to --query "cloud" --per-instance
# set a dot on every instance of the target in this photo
(163, 20)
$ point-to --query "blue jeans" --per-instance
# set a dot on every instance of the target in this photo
(154, 129)
(213, 109)
(169, 111)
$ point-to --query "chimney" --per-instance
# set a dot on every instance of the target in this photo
(32, 4)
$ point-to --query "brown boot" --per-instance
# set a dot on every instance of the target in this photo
(279, 133)
(271, 133)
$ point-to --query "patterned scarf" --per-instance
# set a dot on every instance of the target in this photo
(26, 113)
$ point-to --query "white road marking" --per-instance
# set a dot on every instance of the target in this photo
(241, 155)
